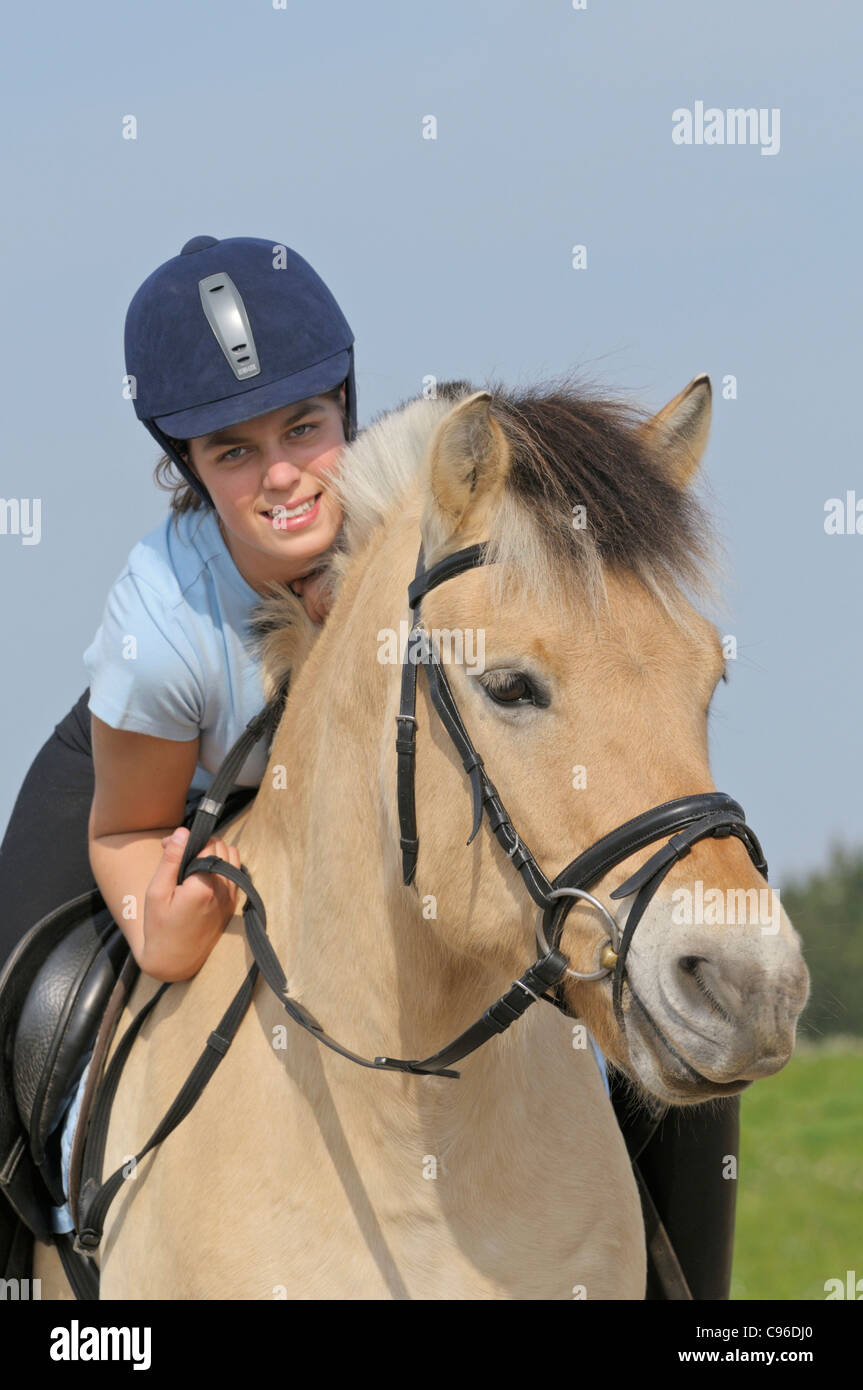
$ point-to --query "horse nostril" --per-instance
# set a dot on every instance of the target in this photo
(700, 969)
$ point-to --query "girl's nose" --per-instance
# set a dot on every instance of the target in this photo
(279, 472)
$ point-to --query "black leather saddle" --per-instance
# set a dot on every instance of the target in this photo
(53, 992)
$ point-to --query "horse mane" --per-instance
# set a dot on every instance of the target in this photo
(571, 446)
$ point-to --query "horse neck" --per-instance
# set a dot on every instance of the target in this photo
(322, 842)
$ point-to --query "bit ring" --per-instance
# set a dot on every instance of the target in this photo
(612, 937)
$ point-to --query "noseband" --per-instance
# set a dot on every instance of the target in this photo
(685, 820)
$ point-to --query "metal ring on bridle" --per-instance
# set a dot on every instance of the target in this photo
(612, 936)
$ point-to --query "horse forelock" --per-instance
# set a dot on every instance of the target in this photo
(571, 448)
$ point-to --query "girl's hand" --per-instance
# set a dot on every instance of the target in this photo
(310, 590)
(182, 923)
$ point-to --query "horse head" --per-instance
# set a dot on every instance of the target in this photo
(584, 673)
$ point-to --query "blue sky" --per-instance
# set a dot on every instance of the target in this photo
(453, 257)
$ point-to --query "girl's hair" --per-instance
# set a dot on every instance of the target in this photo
(184, 498)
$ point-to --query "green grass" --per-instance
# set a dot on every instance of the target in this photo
(800, 1196)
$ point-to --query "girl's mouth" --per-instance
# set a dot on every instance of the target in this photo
(282, 518)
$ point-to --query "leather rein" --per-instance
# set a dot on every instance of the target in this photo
(685, 820)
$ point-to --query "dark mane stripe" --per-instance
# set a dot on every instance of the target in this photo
(572, 448)
(571, 445)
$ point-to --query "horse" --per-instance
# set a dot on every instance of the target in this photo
(301, 1175)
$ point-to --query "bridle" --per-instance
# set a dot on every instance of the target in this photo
(686, 821)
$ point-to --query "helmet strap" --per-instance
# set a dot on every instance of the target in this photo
(179, 462)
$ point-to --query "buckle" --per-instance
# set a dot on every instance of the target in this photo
(86, 1243)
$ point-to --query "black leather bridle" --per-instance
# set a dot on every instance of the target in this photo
(686, 821)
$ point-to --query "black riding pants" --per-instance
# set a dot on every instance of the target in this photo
(44, 858)
(44, 862)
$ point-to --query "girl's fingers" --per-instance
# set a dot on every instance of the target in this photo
(164, 880)
(225, 886)
(216, 884)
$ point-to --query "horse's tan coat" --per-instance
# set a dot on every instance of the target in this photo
(301, 1175)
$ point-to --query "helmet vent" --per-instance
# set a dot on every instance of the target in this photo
(229, 321)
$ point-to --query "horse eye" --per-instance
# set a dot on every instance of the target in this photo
(508, 688)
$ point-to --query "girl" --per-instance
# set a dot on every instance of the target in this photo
(240, 364)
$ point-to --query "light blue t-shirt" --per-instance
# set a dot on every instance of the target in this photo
(173, 657)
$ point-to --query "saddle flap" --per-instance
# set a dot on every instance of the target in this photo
(17, 976)
(60, 1017)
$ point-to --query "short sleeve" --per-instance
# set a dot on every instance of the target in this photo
(144, 673)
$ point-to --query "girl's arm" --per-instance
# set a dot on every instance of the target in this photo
(135, 851)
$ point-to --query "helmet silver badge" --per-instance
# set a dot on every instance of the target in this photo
(226, 315)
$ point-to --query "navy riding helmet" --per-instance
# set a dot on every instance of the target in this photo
(229, 330)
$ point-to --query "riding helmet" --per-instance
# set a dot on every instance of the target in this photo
(228, 330)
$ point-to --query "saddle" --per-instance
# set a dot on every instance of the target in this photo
(53, 993)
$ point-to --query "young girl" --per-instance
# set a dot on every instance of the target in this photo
(240, 364)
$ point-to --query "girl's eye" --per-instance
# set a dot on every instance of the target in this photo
(301, 427)
(509, 688)
(231, 455)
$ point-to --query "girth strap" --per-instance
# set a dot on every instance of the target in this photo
(82, 1274)
(94, 1199)
(659, 1248)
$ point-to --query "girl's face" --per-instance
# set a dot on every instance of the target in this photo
(268, 480)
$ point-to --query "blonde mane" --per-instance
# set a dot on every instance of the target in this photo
(571, 448)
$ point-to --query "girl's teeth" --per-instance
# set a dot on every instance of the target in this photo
(295, 511)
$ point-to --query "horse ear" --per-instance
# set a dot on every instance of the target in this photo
(469, 462)
(678, 433)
